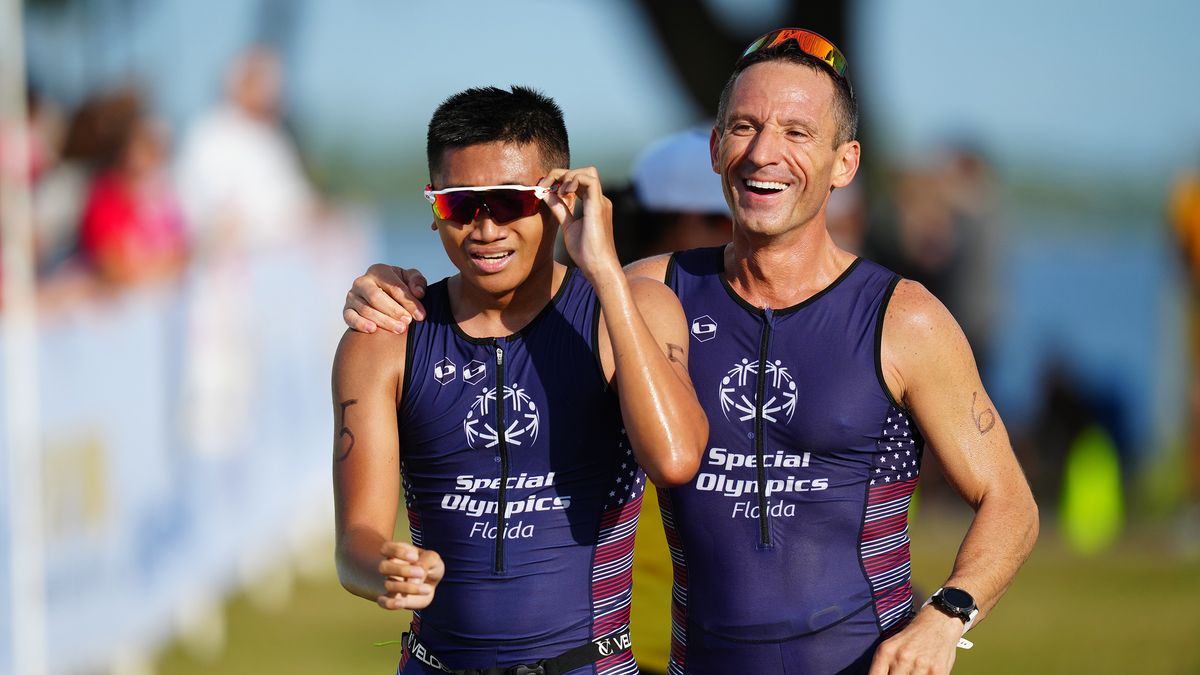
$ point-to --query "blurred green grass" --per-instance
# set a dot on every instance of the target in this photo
(323, 629)
(1132, 609)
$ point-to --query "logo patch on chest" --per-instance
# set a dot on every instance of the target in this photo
(521, 418)
(703, 328)
(739, 391)
(444, 371)
(474, 372)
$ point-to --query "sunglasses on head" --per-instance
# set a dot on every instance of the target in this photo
(807, 41)
(502, 202)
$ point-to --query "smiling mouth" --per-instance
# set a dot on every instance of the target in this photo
(491, 257)
(491, 262)
(764, 187)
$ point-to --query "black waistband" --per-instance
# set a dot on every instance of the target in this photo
(585, 654)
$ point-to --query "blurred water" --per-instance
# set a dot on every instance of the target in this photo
(1102, 302)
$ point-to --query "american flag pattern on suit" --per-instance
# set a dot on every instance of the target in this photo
(612, 562)
(679, 593)
(883, 544)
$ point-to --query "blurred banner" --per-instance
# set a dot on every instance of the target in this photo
(185, 444)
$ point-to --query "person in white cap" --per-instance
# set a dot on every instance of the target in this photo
(674, 201)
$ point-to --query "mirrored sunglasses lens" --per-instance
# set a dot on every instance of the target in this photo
(807, 41)
(459, 207)
(758, 44)
(506, 205)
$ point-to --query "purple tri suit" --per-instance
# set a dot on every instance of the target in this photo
(790, 545)
(560, 483)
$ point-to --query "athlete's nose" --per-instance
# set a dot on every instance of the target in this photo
(486, 227)
(764, 149)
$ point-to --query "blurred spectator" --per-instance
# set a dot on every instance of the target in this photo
(93, 136)
(947, 238)
(969, 187)
(1184, 214)
(243, 191)
(1068, 409)
(675, 200)
(240, 179)
(132, 231)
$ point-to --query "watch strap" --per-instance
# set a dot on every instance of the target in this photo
(967, 624)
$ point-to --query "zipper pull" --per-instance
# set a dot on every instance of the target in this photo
(499, 355)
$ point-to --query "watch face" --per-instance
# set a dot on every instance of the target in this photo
(958, 598)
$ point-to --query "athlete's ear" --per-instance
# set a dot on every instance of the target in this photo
(433, 226)
(846, 164)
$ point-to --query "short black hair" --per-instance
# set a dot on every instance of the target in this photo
(491, 114)
(846, 105)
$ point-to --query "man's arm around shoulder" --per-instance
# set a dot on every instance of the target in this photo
(389, 297)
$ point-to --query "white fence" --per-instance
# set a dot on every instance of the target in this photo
(185, 436)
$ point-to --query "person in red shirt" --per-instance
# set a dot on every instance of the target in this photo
(132, 230)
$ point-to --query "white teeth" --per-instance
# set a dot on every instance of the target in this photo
(766, 185)
(493, 256)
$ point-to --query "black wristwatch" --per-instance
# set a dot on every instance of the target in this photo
(956, 602)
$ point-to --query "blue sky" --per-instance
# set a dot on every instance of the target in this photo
(1096, 83)
(1091, 84)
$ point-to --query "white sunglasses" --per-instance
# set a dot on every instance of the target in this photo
(503, 202)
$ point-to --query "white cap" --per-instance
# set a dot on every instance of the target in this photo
(675, 174)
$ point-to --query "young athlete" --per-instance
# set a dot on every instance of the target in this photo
(516, 416)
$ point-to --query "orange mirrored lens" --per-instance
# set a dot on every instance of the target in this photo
(807, 41)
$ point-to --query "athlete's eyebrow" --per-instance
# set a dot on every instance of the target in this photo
(741, 116)
(806, 123)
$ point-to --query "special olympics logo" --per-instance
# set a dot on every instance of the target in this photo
(738, 391)
(521, 419)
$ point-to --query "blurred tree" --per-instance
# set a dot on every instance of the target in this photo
(703, 51)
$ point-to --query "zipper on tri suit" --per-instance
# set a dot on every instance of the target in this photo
(764, 531)
(502, 439)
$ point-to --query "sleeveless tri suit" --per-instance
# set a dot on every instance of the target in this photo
(517, 471)
(790, 546)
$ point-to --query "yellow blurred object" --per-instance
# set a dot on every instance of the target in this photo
(1093, 511)
(78, 502)
(650, 619)
(1184, 213)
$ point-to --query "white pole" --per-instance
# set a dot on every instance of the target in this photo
(18, 315)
